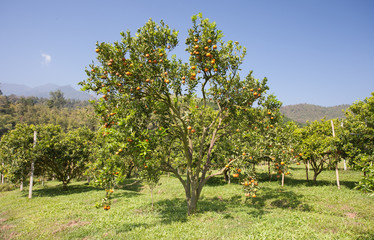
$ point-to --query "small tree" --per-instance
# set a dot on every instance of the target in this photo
(17, 152)
(64, 154)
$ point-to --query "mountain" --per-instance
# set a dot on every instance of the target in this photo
(43, 91)
(308, 112)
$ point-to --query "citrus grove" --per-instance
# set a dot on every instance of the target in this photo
(195, 119)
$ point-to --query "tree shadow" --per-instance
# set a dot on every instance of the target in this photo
(172, 210)
(131, 185)
(60, 190)
(216, 181)
(289, 181)
(287, 200)
(130, 227)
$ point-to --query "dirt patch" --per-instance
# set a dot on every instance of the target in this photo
(346, 207)
(6, 227)
(71, 224)
(2, 220)
(351, 214)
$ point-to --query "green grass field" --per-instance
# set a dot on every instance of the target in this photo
(299, 210)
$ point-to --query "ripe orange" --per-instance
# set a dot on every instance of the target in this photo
(206, 48)
(193, 130)
(189, 127)
(214, 46)
(166, 80)
(193, 67)
(235, 175)
(209, 41)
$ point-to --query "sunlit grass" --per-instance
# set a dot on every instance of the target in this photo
(299, 210)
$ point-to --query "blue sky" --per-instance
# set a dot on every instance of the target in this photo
(317, 51)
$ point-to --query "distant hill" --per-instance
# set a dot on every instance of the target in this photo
(43, 91)
(308, 112)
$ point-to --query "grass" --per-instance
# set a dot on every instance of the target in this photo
(299, 210)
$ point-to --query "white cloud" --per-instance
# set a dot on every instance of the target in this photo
(47, 58)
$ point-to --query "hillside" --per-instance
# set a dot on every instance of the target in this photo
(308, 112)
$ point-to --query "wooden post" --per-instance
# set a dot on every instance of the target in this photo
(336, 166)
(32, 170)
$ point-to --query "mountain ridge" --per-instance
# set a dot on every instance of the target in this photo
(303, 112)
(43, 91)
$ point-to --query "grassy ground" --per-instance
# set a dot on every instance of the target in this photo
(300, 210)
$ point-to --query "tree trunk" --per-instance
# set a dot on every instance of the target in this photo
(269, 171)
(345, 165)
(307, 172)
(152, 196)
(225, 175)
(337, 176)
(282, 179)
(21, 186)
(315, 177)
(192, 204)
(2, 175)
(88, 179)
(64, 185)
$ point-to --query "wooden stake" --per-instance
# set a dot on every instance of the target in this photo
(32, 170)
(336, 166)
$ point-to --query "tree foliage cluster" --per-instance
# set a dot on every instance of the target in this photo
(68, 113)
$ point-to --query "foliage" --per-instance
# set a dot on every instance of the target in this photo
(17, 153)
(360, 137)
(318, 147)
(59, 154)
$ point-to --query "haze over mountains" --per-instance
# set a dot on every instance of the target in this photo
(298, 112)
(43, 91)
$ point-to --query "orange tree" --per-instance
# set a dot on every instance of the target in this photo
(318, 146)
(359, 140)
(137, 77)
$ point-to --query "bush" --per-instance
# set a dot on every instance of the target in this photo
(7, 187)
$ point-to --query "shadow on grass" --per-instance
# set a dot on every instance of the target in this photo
(74, 188)
(175, 210)
(130, 227)
(59, 190)
(291, 181)
(131, 185)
